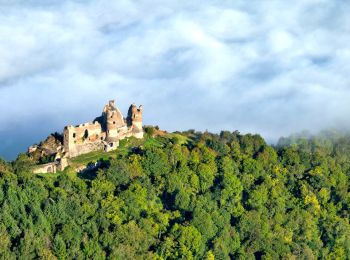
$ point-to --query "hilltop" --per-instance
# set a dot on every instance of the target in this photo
(185, 195)
(102, 134)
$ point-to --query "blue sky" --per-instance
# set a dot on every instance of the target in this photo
(267, 67)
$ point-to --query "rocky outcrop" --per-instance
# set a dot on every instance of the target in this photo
(46, 150)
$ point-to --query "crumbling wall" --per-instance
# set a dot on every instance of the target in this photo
(134, 121)
(111, 146)
(90, 137)
(46, 168)
(85, 148)
(83, 138)
(115, 122)
(62, 164)
(102, 134)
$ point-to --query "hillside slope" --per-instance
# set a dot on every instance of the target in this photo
(186, 195)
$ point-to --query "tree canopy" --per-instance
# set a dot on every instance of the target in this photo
(187, 195)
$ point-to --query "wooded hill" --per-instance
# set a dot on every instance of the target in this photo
(187, 195)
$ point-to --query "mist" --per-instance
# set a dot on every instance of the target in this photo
(271, 68)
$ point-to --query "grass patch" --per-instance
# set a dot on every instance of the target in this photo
(123, 149)
(92, 157)
(153, 142)
(181, 139)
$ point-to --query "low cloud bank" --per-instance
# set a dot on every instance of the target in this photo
(270, 68)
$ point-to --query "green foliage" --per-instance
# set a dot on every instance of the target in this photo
(185, 195)
(149, 130)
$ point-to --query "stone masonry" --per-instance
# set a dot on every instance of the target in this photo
(103, 133)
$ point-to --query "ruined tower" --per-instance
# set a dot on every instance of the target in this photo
(115, 123)
(134, 120)
(104, 132)
(69, 136)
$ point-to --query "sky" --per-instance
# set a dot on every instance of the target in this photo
(267, 67)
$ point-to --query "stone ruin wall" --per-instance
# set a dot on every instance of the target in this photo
(90, 137)
(102, 134)
(83, 138)
(134, 119)
(116, 127)
(46, 168)
(51, 167)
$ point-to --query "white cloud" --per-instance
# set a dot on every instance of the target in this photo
(280, 41)
(268, 67)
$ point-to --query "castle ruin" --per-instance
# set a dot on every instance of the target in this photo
(103, 133)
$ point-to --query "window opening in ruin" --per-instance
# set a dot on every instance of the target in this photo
(73, 135)
(111, 144)
(113, 122)
(86, 134)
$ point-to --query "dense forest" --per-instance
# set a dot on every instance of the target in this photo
(187, 195)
